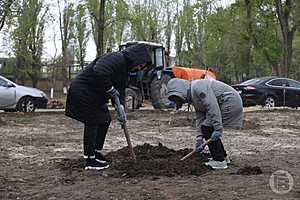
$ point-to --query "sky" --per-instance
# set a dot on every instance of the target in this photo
(52, 34)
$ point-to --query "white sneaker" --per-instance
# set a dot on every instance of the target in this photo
(93, 164)
(228, 161)
(217, 164)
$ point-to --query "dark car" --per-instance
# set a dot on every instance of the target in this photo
(270, 92)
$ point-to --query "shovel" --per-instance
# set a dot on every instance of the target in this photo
(124, 127)
(194, 151)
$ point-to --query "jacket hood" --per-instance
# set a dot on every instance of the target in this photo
(178, 87)
(137, 54)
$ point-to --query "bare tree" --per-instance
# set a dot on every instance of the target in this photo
(97, 12)
(289, 22)
(66, 24)
(81, 34)
(5, 9)
(28, 39)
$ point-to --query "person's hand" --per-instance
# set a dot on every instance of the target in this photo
(216, 135)
(121, 115)
(199, 143)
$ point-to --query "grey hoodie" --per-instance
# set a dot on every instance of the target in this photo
(216, 104)
(178, 87)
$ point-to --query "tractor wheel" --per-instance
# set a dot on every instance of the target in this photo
(159, 92)
(131, 100)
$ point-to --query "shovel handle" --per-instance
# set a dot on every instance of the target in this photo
(124, 126)
(188, 155)
(194, 151)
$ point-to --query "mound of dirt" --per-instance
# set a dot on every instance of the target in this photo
(156, 161)
(151, 161)
(248, 170)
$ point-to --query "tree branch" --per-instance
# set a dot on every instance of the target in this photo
(5, 13)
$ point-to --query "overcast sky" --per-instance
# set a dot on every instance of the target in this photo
(52, 31)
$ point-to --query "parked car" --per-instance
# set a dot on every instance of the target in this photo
(270, 92)
(14, 97)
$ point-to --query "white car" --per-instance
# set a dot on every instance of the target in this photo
(14, 97)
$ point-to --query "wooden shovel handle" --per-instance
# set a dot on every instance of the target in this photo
(194, 151)
(124, 126)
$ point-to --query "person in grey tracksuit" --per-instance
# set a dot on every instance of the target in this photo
(217, 105)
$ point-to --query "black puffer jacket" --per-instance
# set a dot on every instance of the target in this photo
(87, 97)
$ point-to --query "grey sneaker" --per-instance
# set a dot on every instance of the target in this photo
(228, 161)
(217, 164)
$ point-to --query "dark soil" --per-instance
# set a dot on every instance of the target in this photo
(249, 170)
(151, 161)
(41, 158)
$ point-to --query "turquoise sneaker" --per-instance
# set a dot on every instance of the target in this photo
(228, 161)
(217, 164)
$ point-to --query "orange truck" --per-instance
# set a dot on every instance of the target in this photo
(192, 73)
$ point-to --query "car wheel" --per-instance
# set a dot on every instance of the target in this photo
(269, 102)
(26, 104)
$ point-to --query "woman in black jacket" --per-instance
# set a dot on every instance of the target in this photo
(106, 77)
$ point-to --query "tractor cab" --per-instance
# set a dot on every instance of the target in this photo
(158, 52)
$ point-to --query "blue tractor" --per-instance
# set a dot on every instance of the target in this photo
(151, 82)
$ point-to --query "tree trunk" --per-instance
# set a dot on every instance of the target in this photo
(100, 28)
(289, 50)
(284, 15)
(168, 31)
(250, 37)
(19, 78)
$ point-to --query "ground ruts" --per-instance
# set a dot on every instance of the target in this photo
(249, 170)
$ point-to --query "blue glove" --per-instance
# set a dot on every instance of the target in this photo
(113, 93)
(199, 143)
(216, 135)
(121, 115)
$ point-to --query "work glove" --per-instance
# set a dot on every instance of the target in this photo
(216, 135)
(121, 115)
(199, 143)
(114, 94)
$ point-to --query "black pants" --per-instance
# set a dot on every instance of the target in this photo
(216, 148)
(93, 138)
